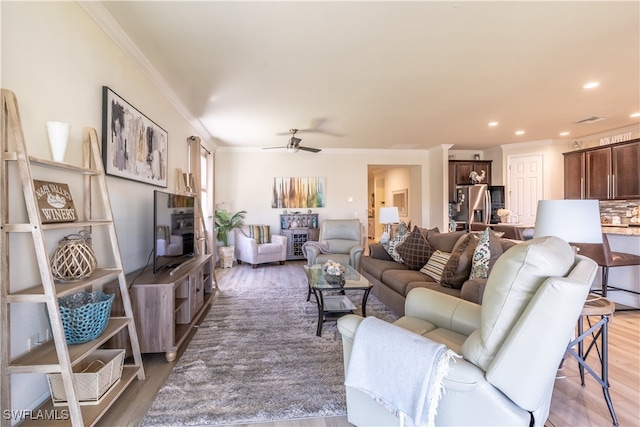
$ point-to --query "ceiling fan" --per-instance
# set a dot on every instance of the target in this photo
(293, 146)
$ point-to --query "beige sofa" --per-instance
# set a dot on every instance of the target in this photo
(392, 280)
(511, 345)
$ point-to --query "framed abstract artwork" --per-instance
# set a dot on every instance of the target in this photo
(401, 201)
(133, 146)
(298, 192)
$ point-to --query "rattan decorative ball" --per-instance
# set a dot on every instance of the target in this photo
(74, 258)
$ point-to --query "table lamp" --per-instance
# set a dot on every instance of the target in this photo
(388, 216)
(575, 221)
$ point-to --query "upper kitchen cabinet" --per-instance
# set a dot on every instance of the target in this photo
(574, 175)
(609, 172)
(460, 173)
(625, 173)
(598, 174)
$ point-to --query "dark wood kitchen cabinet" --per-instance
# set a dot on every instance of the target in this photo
(603, 173)
(574, 175)
(625, 160)
(598, 174)
(460, 171)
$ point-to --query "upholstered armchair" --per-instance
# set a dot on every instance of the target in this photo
(168, 244)
(255, 244)
(339, 240)
(511, 345)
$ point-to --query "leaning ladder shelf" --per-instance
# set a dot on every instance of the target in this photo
(55, 356)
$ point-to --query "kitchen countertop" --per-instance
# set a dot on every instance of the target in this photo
(622, 231)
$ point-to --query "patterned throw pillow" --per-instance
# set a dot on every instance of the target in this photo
(416, 250)
(481, 256)
(398, 238)
(260, 233)
(435, 265)
(458, 268)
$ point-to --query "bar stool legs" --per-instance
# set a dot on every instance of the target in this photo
(595, 306)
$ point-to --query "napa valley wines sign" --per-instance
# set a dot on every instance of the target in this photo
(54, 202)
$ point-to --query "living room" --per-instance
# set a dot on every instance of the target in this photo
(56, 58)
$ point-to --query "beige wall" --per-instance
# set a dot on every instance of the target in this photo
(56, 60)
(243, 180)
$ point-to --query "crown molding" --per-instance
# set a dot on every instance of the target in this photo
(110, 26)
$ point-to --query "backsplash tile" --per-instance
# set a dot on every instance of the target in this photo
(621, 208)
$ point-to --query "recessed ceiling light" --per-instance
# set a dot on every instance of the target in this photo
(635, 115)
(564, 133)
(591, 85)
(492, 124)
(520, 132)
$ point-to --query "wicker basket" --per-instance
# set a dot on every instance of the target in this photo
(92, 377)
(85, 315)
(74, 258)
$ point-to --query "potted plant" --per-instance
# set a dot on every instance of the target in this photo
(225, 223)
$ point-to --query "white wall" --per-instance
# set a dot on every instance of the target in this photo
(56, 60)
(243, 179)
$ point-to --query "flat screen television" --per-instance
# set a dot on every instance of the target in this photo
(173, 229)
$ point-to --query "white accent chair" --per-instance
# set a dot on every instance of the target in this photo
(173, 247)
(250, 251)
(511, 346)
(344, 239)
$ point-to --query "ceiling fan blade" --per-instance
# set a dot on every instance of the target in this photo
(313, 150)
(272, 148)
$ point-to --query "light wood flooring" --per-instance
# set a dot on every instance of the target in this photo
(572, 405)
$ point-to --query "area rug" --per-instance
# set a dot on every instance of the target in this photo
(256, 356)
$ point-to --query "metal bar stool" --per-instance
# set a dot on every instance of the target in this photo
(595, 306)
(606, 258)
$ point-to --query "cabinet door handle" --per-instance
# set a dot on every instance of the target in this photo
(613, 186)
(582, 188)
(608, 186)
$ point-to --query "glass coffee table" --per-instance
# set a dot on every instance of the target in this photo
(330, 307)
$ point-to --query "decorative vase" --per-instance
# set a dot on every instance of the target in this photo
(226, 256)
(504, 219)
(58, 137)
(334, 280)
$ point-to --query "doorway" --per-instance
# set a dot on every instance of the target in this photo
(525, 186)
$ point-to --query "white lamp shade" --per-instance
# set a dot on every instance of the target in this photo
(389, 215)
(575, 221)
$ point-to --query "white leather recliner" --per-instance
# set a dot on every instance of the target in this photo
(512, 345)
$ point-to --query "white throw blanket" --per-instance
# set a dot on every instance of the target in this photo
(400, 369)
(322, 246)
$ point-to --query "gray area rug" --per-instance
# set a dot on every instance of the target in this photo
(256, 356)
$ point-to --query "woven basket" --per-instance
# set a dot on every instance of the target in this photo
(73, 259)
(92, 377)
(85, 315)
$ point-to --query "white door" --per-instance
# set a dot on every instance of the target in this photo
(524, 187)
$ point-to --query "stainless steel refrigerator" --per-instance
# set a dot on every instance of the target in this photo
(478, 204)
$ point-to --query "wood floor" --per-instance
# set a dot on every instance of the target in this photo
(572, 405)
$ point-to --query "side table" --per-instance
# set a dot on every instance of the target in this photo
(595, 305)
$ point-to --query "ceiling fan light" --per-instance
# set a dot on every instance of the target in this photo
(293, 149)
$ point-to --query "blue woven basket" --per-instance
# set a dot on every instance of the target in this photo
(85, 315)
